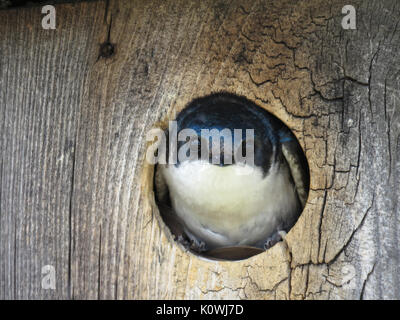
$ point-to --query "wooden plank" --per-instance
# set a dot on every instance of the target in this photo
(77, 194)
(43, 76)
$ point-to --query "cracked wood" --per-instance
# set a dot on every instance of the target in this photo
(76, 194)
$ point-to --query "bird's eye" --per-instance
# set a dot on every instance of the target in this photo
(191, 152)
(195, 144)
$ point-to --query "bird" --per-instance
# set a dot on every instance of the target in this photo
(223, 201)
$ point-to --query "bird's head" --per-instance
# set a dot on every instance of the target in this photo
(225, 129)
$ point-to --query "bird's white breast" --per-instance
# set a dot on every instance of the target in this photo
(229, 205)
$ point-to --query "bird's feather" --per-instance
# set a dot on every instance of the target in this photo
(298, 168)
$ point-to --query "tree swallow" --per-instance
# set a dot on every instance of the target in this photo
(240, 178)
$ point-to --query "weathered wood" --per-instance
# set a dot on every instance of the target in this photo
(43, 76)
(77, 194)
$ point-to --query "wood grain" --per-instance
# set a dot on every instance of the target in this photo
(77, 194)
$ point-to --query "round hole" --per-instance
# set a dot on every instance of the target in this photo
(240, 201)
